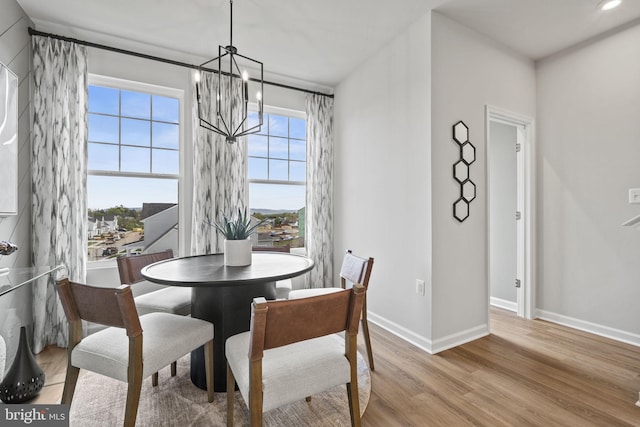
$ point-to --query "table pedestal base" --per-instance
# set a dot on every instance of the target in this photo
(229, 309)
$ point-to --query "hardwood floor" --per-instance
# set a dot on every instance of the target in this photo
(526, 373)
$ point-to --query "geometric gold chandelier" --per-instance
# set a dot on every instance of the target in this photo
(231, 118)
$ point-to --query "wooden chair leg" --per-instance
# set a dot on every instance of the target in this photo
(365, 332)
(231, 389)
(208, 367)
(70, 384)
(174, 368)
(354, 403)
(367, 341)
(133, 399)
(154, 379)
(255, 392)
(351, 343)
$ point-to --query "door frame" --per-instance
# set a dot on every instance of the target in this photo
(525, 126)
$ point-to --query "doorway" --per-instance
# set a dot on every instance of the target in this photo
(510, 211)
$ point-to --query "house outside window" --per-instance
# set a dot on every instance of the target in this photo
(277, 167)
(133, 167)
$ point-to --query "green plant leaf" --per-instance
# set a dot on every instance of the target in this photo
(239, 228)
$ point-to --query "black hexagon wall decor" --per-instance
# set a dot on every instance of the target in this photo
(462, 171)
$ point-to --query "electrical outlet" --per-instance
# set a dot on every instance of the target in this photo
(420, 287)
(634, 195)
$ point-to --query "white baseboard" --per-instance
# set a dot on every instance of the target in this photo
(459, 338)
(401, 332)
(431, 347)
(593, 328)
(504, 304)
(463, 337)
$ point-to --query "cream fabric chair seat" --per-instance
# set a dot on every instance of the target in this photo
(283, 288)
(171, 299)
(322, 360)
(107, 351)
(313, 292)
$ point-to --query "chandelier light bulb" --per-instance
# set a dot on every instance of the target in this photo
(609, 4)
(196, 76)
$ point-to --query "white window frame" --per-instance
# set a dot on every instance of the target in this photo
(123, 84)
(281, 112)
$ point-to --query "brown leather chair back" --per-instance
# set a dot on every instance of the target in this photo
(129, 266)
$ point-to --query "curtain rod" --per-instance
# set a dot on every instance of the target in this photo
(34, 32)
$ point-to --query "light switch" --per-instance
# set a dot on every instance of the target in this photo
(634, 195)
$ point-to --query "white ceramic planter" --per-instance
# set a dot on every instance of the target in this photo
(237, 252)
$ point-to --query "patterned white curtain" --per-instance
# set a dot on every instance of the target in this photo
(59, 177)
(319, 212)
(219, 170)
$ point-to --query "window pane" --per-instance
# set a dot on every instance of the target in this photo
(297, 150)
(257, 146)
(136, 104)
(278, 170)
(165, 109)
(104, 100)
(283, 208)
(136, 132)
(165, 161)
(103, 128)
(258, 168)
(278, 125)
(278, 148)
(135, 159)
(278, 197)
(109, 191)
(124, 130)
(103, 157)
(297, 128)
(166, 135)
(298, 171)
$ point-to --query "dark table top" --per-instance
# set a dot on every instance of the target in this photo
(209, 270)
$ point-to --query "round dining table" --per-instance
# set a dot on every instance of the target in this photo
(223, 295)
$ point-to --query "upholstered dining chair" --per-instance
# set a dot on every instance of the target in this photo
(291, 352)
(354, 270)
(283, 287)
(166, 299)
(132, 347)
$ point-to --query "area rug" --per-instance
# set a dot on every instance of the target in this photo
(100, 401)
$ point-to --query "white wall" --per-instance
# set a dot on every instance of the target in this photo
(502, 207)
(469, 71)
(588, 139)
(15, 53)
(382, 182)
(394, 188)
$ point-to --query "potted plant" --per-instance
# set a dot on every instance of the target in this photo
(236, 231)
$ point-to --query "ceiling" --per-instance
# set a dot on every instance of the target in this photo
(319, 41)
(539, 28)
